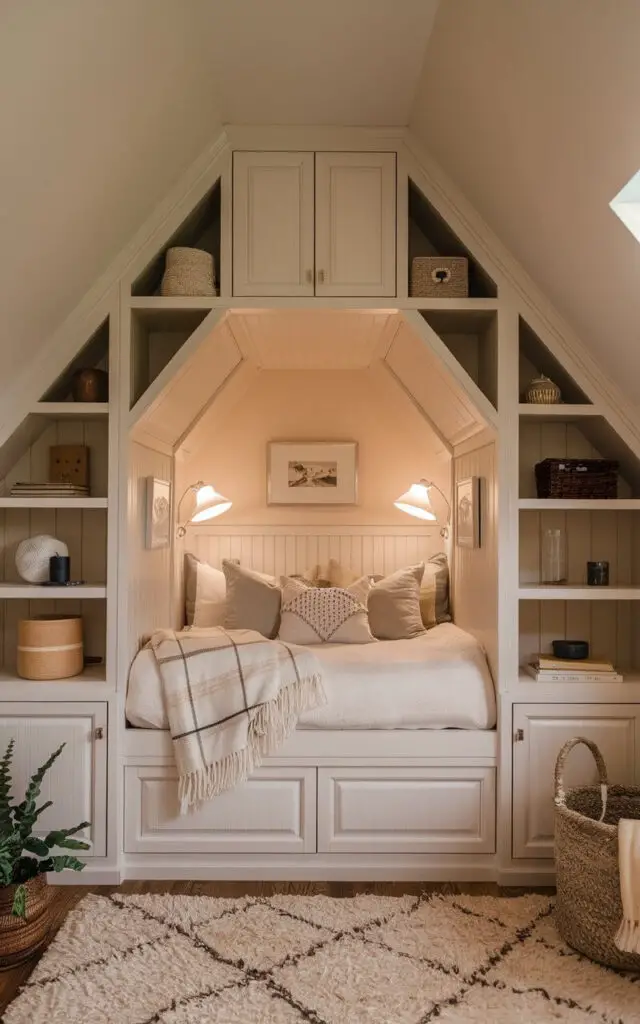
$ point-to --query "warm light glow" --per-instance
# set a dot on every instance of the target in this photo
(209, 504)
(416, 502)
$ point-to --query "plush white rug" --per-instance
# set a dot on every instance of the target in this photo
(154, 959)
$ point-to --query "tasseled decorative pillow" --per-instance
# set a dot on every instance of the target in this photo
(324, 615)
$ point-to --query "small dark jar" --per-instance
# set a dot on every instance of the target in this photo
(598, 574)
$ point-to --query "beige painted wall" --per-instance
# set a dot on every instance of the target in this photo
(396, 445)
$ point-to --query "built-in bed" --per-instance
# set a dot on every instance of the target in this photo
(393, 778)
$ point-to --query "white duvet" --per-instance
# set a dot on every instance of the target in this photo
(437, 681)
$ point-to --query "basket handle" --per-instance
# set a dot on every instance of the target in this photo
(560, 795)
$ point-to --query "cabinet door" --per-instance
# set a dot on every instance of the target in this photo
(273, 223)
(76, 783)
(544, 730)
(355, 224)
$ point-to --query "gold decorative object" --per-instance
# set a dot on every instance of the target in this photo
(542, 391)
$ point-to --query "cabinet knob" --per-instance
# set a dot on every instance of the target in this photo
(98, 734)
(321, 277)
(309, 276)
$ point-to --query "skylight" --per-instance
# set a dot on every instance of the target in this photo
(626, 205)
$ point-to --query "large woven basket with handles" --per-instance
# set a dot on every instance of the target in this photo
(588, 906)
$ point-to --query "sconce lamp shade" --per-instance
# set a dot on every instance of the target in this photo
(209, 504)
(416, 502)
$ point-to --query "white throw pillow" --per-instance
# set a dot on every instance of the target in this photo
(324, 615)
(205, 592)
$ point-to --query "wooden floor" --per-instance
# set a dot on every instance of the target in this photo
(67, 896)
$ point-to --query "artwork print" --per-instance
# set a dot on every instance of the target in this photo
(158, 525)
(468, 513)
(312, 473)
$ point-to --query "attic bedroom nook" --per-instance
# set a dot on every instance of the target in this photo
(351, 298)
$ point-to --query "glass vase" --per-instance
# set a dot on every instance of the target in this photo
(554, 557)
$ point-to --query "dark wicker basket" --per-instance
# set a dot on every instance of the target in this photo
(577, 478)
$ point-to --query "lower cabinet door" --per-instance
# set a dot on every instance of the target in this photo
(540, 730)
(273, 812)
(77, 781)
(406, 810)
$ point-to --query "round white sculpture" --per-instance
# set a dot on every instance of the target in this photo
(33, 554)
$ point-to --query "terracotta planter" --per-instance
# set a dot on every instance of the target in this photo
(20, 939)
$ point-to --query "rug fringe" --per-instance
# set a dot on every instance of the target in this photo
(628, 936)
(272, 724)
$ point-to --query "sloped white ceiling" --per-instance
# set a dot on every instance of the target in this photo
(533, 109)
(105, 103)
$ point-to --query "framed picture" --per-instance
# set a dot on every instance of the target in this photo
(312, 473)
(158, 523)
(467, 517)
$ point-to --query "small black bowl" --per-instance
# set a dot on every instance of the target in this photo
(573, 649)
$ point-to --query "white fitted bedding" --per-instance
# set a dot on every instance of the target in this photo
(437, 681)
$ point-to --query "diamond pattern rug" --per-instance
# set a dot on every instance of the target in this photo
(164, 959)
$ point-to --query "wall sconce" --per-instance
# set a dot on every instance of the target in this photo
(209, 504)
(416, 502)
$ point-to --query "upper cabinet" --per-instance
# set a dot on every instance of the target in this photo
(309, 224)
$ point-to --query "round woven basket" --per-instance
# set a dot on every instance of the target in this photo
(20, 939)
(588, 905)
(188, 272)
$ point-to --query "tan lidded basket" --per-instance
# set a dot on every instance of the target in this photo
(440, 277)
(50, 647)
(588, 905)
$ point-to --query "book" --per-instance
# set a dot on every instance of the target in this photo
(548, 661)
(565, 676)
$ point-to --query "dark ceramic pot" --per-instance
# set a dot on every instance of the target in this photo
(90, 386)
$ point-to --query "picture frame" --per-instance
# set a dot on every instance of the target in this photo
(467, 513)
(312, 473)
(158, 513)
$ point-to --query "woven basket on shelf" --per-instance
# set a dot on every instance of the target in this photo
(188, 272)
(50, 647)
(440, 277)
(577, 478)
(20, 939)
(588, 905)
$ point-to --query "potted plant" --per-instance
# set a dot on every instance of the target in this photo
(24, 860)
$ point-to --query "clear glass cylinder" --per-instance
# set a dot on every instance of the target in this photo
(554, 556)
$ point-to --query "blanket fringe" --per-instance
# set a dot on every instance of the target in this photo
(268, 729)
(628, 936)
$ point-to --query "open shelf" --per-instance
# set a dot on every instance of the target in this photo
(577, 592)
(156, 336)
(551, 413)
(200, 230)
(90, 674)
(35, 503)
(536, 359)
(70, 409)
(472, 338)
(34, 592)
(579, 504)
(430, 235)
(93, 355)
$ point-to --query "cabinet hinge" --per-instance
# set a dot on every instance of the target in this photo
(98, 734)
(519, 736)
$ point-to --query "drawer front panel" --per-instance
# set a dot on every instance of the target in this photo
(274, 811)
(406, 810)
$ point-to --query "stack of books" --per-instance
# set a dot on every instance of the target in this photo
(57, 490)
(546, 668)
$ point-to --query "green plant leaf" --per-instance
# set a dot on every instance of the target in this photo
(37, 846)
(57, 837)
(73, 844)
(19, 908)
(65, 861)
(5, 787)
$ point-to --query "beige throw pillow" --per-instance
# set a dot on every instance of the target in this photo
(394, 605)
(332, 574)
(253, 600)
(434, 593)
(205, 593)
(324, 615)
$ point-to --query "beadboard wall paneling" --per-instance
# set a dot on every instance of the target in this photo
(285, 550)
(475, 570)
(610, 627)
(33, 466)
(150, 571)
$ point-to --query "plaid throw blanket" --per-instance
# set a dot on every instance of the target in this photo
(232, 697)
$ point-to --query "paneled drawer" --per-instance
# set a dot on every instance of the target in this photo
(273, 812)
(406, 810)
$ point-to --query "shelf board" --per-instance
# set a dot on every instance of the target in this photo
(177, 301)
(577, 592)
(567, 412)
(35, 592)
(579, 504)
(89, 685)
(11, 502)
(70, 410)
(90, 674)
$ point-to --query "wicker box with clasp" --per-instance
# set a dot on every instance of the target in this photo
(440, 277)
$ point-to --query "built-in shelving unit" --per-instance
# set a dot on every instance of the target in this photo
(578, 592)
(470, 333)
(71, 410)
(579, 504)
(61, 503)
(157, 334)
(33, 591)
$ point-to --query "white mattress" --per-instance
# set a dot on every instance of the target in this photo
(437, 681)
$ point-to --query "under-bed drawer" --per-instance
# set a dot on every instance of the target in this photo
(273, 812)
(406, 810)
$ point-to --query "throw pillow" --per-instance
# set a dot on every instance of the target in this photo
(332, 574)
(253, 600)
(434, 593)
(205, 593)
(394, 605)
(324, 615)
